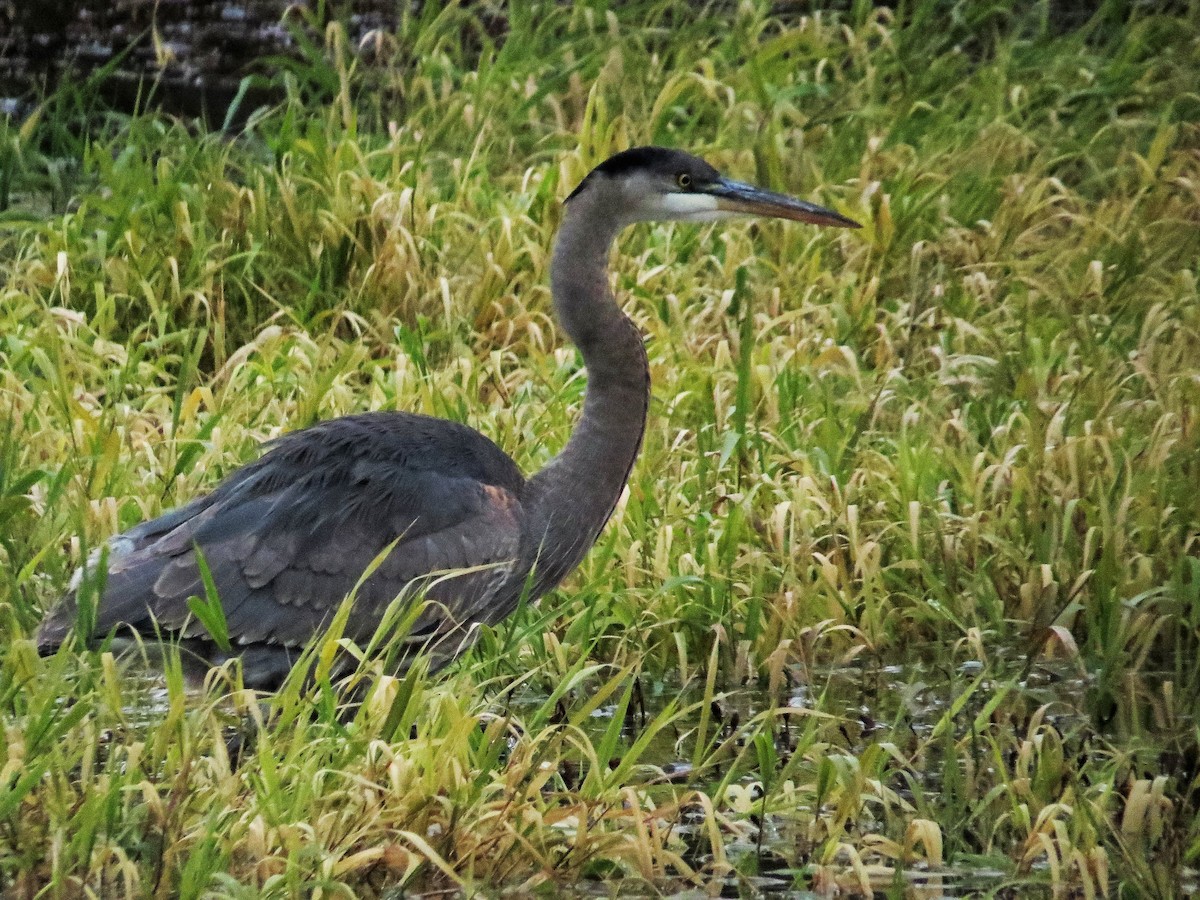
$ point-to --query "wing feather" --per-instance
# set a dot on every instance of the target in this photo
(287, 537)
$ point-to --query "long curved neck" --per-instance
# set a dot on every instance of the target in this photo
(575, 494)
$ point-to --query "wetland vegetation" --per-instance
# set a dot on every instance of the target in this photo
(904, 593)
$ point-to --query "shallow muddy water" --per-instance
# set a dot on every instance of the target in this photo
(901, 702)
(898, 703)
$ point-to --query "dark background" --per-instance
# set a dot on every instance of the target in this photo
(191, 57)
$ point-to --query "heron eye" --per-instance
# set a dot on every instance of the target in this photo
(684, 180)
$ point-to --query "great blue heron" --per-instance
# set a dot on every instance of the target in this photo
(288, 536)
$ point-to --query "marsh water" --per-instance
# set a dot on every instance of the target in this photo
(901, 703)
(214, 59)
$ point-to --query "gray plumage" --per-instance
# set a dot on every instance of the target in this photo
(289, 535)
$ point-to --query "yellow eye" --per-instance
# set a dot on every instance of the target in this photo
(684, 180)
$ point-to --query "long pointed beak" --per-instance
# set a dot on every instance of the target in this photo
(736, 197)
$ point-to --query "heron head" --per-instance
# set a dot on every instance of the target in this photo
(653, 184)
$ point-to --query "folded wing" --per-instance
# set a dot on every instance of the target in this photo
(287, 537)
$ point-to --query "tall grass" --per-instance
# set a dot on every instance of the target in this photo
(954, 454)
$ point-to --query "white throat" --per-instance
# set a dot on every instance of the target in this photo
(691, 208)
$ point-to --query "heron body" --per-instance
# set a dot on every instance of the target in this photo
(288, 536)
